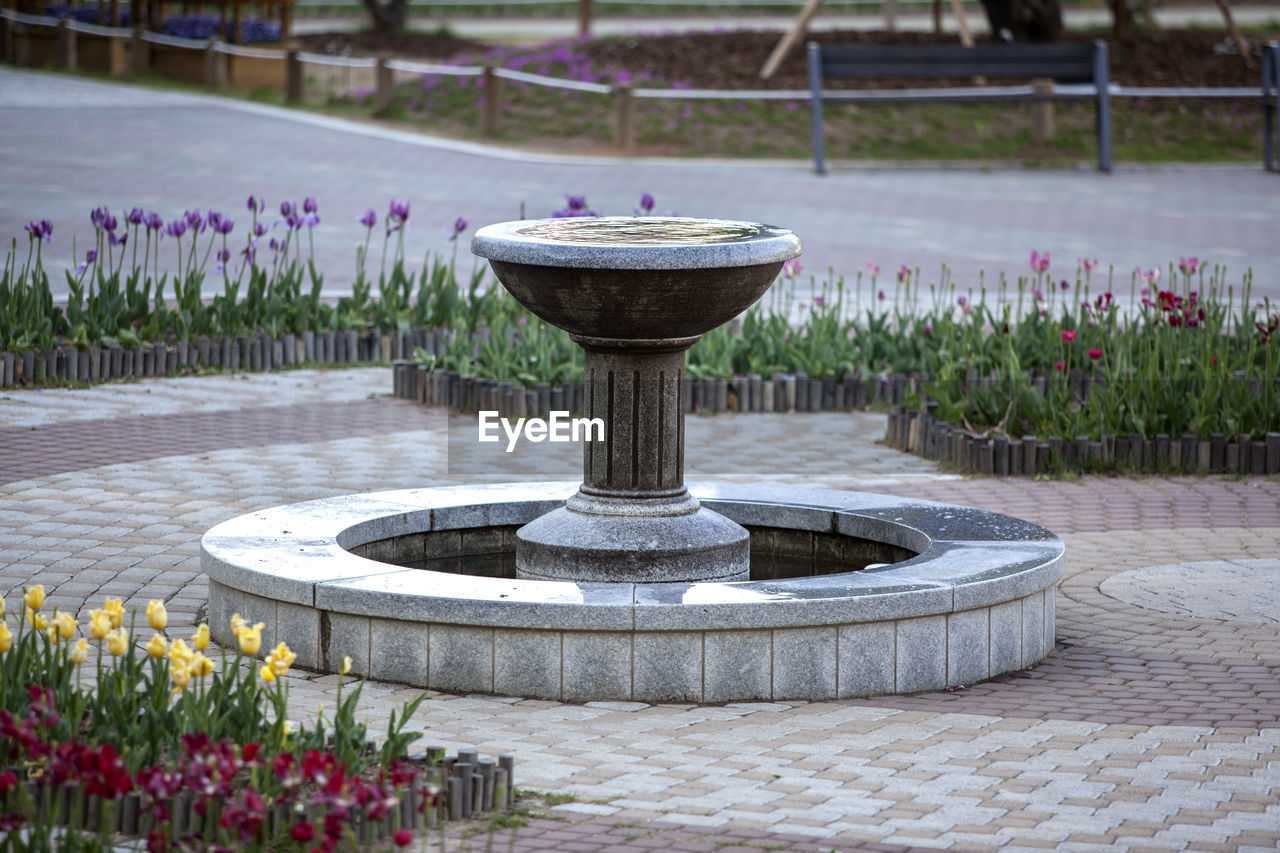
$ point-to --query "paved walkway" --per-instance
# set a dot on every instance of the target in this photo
(1154, 725)
(77, 144)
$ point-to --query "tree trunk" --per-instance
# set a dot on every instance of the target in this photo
(1021, 20)
(388, 17)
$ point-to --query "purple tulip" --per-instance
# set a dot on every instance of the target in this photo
(309, 205)
(153, 221)
(135, 216)
(259, 229)
(576, 202)
(195, 221)
(225, 225)
(89, 257)
(255, 205)
(109, 223)
(287, 208)
(42, 230)
(119, 240)
(398, 212)
(98, 216)
(176, 228)
(646, 203)
(459, 226)
(274, 245)
(369, 219)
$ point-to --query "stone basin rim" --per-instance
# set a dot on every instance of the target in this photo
(278, 554)
(506, 242)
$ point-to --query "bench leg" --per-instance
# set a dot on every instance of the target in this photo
(815, 108)
(1270, 80)
(1102, 79)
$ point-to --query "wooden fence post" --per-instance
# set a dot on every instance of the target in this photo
(492, 101)
(890, 9)
(586, 11)
(139, 50)
(215, 66)
(117, 56)
(1042, 112)
(292, 75)
(66, 45)
(384, 84)
(625, 129)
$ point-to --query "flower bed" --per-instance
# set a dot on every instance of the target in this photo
(1191, 354)
(101, 735)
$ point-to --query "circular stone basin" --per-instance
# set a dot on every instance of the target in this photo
(636, 277)
(976, 600)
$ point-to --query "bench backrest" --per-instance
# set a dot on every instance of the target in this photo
(1065, 63)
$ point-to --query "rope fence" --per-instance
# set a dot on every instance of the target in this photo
(21, 43)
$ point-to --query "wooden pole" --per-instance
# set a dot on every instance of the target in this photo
(492, 101)
(966, 38)
(1241, 44)
(937, 17)
(890, 9)
(586, 12)
(625, 130)
(789, 40)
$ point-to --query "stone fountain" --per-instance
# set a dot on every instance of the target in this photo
(627, 585)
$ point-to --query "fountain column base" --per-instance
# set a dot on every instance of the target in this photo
(568, 544)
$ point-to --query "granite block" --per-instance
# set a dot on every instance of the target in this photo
(346, 635)
(597, 666)
(668, 667)
(1006, 637)
(968, 650)
(461, 659)
(1032, 629)
(398, 651)
(921, 654)
(407, 549)
(778, 516)
(737, 666)
(442, 543)
(868, 657)
(485, 540)
(299, 627)
(1050, 618)
(526, 663)
(804, 663)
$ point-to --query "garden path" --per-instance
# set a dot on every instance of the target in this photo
(78, 144)
(1145, 729)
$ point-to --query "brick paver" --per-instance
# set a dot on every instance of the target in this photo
(1144, 730)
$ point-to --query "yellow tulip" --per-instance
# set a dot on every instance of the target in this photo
(158, 646)
(118, 641)
(80, 652)
(157, 615)
(52, 633)
(2, 606)
(34, 596)
(267, 674)
(281, 659)
(6, 638)
(346, 665)
(99, 624)
(66, 624)
(178, 650)
(37, 620)
(201, 638)
(201, 665)
(179, 673)
(237, 624)
(115, 609)
(251, 638)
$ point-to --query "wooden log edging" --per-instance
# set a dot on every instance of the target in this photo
(923, 434)
(782, 392)
(447, 787)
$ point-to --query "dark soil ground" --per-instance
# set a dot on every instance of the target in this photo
(732, 59)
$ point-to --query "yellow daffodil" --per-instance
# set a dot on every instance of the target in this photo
(267, 674)
(346, 665)
(180, 673)
(118, 641)
(6, 638)
(237, 624)
(34, 596)
(157, 615)
(201, 638)
(178, 650)
(251, 638)
(201, 665)
(80, 652)
(115, 609)
(99, 624)
(38, 621)
(66, 624)
(281, 658)
(158, 647)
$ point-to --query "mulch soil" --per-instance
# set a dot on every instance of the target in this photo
(1166, 58)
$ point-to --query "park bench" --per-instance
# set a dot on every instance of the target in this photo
(1084, 69)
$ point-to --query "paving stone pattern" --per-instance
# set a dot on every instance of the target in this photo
(1143, 730)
